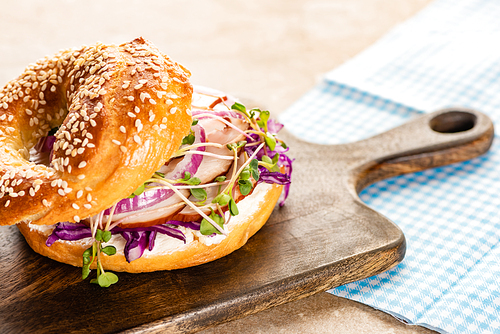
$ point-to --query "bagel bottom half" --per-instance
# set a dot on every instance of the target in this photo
(168, 253)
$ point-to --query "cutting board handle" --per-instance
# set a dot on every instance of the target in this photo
(432, 140)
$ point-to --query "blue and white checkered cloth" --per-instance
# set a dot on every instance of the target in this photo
(447, 55)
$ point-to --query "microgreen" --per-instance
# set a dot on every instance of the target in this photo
(106, 279)
(253, 167)
(270, 164)
(241, 108)
(233, 208)
(199, 193)
(245, 173)
(245, 186)
(93, 253)
(270, 141)
(109, 250)
(138, 191)
(222, 199)
(189, 139)
(236, 146)
(221, 178)
(195, 121)
(208, 229)
(187, 179)
(263, 118)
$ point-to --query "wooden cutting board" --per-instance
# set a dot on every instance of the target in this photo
(323, 237)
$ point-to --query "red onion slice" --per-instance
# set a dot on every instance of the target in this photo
(189, 163)
(45, 144)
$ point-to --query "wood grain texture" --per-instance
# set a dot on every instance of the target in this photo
(323, 237)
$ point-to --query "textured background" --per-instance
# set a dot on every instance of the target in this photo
(270, 52)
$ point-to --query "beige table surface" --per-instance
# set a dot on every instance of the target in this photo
(269, 51)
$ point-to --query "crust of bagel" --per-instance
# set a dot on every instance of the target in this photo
(123, 111)
(192, 254)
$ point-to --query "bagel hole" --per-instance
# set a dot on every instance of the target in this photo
(453, 122)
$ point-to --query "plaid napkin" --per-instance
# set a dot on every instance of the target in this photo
(447, 55)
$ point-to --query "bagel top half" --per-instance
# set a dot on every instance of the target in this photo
(122, 111)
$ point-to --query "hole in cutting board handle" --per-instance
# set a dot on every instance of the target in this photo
(453, 121)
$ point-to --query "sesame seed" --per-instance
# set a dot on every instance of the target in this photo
(143, 96)
(143, 81)
(123, 129)
(116, 142)
(45, 202)
(81, 176)
(137, 139)
(61, 192)
(130, 98)
(173, 110)
(136, 109)
(152, 101)
(131, 114)
(79, 194)
(123, 149)
(82, 164)
(7, 203)
(75, 206)
(77, 219)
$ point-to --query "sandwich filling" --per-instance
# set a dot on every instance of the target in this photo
(194, 195)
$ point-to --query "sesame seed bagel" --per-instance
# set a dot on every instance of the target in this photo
(122, 111)
(169, 253)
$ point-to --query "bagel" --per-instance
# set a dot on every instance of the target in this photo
(176, 177)
(122, 111)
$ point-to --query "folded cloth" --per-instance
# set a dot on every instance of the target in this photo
(447, 55)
